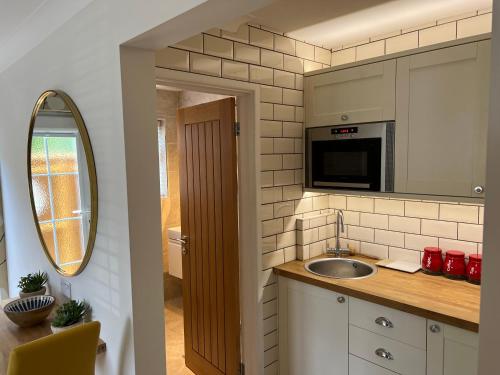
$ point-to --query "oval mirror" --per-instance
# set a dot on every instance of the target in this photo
(62, 182)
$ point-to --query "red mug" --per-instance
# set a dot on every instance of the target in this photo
(474, 268)
(454, 264)
(432, 261)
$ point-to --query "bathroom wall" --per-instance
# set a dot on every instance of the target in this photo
(167, 103)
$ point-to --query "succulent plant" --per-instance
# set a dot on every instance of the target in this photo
(70, 313)
(33, 282)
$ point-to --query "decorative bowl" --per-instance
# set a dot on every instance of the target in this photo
(27, 312)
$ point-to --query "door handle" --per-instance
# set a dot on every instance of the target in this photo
(184, 241)
(384, 322)
(479, 189)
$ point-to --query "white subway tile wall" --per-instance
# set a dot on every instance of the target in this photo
(438, 31)
(400, 229)
(277, 63)
(377, 227)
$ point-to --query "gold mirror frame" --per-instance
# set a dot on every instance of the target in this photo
(89, 156)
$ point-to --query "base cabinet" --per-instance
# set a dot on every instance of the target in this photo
(450, 350)
(325, 333)
(360, 366)
(313, 330)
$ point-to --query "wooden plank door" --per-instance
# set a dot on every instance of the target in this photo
(209, 217)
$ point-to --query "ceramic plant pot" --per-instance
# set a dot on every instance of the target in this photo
(40, 292)
(61, 329)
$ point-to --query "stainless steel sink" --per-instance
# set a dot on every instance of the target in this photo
(340, 268)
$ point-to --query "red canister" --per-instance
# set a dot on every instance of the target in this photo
(454, 264)
(474, 268)
(432, 261)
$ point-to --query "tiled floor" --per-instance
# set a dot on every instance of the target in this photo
(174, 332)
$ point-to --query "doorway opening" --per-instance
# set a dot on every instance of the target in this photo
(197, 316)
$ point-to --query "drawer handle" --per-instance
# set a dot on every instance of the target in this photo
(435, 328)
(344, 117)
(340, 299)
(382, 353)
(384, 322)
(479, 189)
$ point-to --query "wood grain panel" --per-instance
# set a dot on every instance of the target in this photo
(212, 261)
(208, 171)
(218, 245)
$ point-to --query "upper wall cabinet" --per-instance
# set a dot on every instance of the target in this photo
(441, 121)
(361, 94)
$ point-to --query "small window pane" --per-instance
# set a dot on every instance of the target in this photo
(62, 154)
(41, 196)
(65, 191)
(69, 240)
(38, 156)
(48, 237)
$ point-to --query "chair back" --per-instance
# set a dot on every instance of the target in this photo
(69, 352)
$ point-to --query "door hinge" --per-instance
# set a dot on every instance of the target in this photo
(242, 369)
(237, 128)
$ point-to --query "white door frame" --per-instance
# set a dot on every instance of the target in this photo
(248, 95)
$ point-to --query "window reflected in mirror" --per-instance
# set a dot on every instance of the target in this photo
(61, 190)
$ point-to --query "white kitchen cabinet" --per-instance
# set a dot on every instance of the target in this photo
(358, 366)
(451, 350)
(354, 95)
(441, 121)
(313, 330)
(325, 333)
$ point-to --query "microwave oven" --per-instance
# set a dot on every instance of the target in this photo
(353, 157)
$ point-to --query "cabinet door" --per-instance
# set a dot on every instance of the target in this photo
(441, 120)
(451, 350)
(354, 95)
(313, 330)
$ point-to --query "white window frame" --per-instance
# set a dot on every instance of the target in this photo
(49, 174)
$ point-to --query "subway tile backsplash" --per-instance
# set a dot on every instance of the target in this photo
(394, 228)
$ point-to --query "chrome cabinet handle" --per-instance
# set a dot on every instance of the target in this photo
(340, 299)
(435, 328)
(382, 353)
(479, 189)
(344, 117)
(384, 322)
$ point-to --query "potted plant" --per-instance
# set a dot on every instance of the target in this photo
(33, 284)
(69, 315)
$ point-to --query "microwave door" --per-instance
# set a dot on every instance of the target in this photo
(347, 164)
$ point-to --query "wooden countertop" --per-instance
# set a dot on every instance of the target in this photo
(433, 297)
(11, 336)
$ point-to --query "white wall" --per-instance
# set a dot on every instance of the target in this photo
(123, 279)
(83, 59)
(489, 332)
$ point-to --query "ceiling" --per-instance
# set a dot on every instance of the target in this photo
(14, 14)
(332, 23)
(26, 23)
